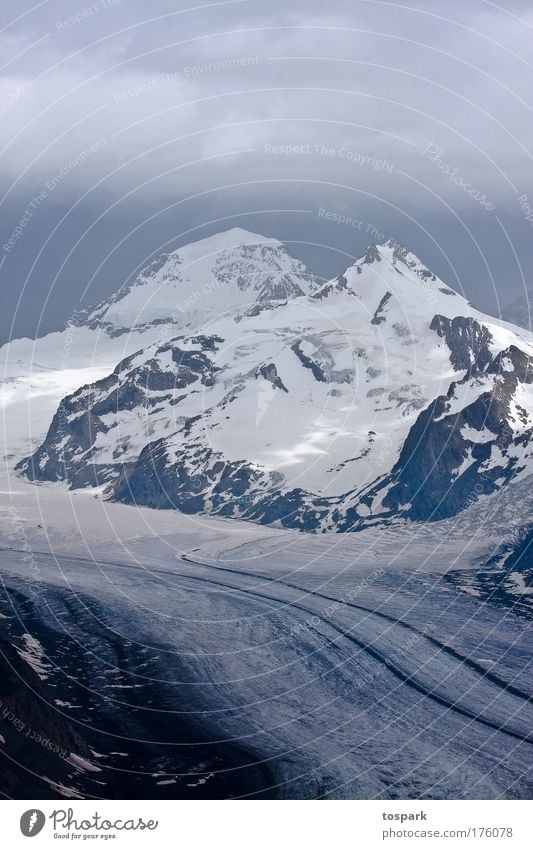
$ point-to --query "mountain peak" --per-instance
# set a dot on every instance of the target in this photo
(230, 271)
(396, 254)
(399, 250)
(237, 394)
(235, 237)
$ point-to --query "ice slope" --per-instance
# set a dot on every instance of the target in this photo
(182, 289)
(351, 673)
(231, 270)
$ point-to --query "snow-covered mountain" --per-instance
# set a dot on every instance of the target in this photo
(233, 270)
(380, 394)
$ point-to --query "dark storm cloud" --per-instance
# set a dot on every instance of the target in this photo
(152, 122)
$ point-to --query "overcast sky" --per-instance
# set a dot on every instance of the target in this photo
(129, 128)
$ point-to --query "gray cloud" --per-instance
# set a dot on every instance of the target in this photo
(153, 121)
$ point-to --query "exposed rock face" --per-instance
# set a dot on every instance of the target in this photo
(454, 453)
(270, 373)
(468, 340)
(378, 317)
(88, 422)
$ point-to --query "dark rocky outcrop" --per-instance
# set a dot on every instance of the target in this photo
(468, 341)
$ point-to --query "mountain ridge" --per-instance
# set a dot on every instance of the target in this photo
(319, 410)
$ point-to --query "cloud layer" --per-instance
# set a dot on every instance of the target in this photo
(413, 120)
